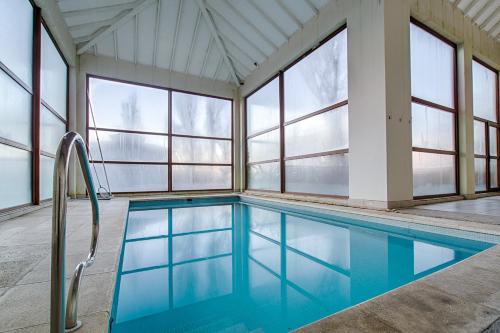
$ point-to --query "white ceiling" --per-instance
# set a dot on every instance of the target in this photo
(485, 13)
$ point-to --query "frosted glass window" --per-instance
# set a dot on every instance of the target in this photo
(317, 81)
(479, 138)
(16, 37)
(480, 174)
(319, 175)
(46, 177)
(264, 176)
(263, 108)
(432, 72)
(188, 150)
(324, 132)
(127, 106)
(432, 128)
(133, 177)
(54, 76)
(51, 131)
(264, 147)
(129, 147)
(200, 115)
(433, 174)
(201, 177)
(15, 109)
(15, 177)
(493, 173)
(194, 219)
(484, 92)
(493, 141)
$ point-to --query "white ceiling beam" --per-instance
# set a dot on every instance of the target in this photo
(121, 21)
(136, 38)
(74, 5)
(311, 7)
(176, 32)
(85, 39)
(470, 6)
(289, 13)
(193, 41)
(157, 31)
(483, 9)
(115, 42)
(218, 40)
(93, 24)
(99, 10)
(270, 20)
(490, 19)
(205, 58)
(219, 65)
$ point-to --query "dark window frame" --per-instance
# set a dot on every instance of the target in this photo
(168, 135)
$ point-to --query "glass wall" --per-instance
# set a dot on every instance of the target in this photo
(434, 114)
(297, 125)
(157, 140)
(486, 126)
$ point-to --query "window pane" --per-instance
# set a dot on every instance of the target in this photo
(484, 92)
(133, 177)
(432, 128)
(54, 76)
(200, 177)
(319, 175)
(264, 147)
(15, 110)
(493, 141)
(188, 150)
(264, 176)
(46, 177)
(263, 108)
(15, 177)
(493, 173)
(432, 73)
(128, 147)
(479, 138)
(433, 174)
(127, 106)
(51, 131)
(319, 80)
(200, 115)
(324, 132)
(480, 174)
(16, 37)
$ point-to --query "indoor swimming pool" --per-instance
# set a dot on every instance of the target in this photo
(242, 265)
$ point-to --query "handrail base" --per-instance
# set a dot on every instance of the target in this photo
(74, 328)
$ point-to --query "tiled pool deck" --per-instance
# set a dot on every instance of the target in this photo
(462, 298)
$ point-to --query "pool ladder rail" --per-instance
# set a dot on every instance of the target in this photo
(65, 318)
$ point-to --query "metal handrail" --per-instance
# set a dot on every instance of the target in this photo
(60, 320)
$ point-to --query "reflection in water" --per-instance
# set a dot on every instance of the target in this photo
(240, 267)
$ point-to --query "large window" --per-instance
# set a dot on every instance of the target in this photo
(157, 140)
(434, 114)
(486, 126)
(297, 125)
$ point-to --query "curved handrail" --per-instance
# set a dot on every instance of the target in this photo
(60, 320)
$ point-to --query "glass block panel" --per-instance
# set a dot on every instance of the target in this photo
(46, 177)
(128, 147)
(484, 92)
(15, 177)
(200, 115)
(318, 80)
(432, 128)
(51, 131)
(493, 141)
(264, 147)
(127, 106)
(432, 72)
(16, 37)
(263, 108)
(200, 177)
(318, 175)
(15, 109)
(479, 138)
(264, 176)
(189, 150)
(324, 132)
(194, 219)
(433, 174)
(54, 76)
(480, 174)
(493, 173)
(133, 177)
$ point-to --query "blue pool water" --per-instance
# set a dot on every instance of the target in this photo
(235, 266)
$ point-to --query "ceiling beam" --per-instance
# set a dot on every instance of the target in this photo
(218, 40)
(157, 31)
(98, 10)
(483, 9)
(205, 58)
(136, 38)
(115, 42)
(121, 21)
(469, 7)
(490, 19)
(85, 39)
(193, 41)
(176, 32)
(289, 13)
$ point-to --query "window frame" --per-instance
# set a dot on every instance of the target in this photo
(169, 136)
(442, 108)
